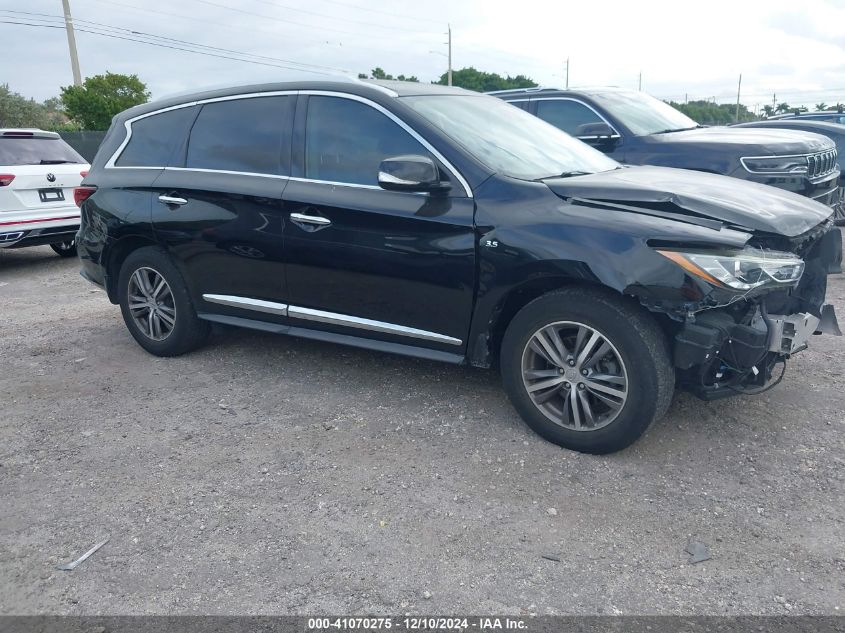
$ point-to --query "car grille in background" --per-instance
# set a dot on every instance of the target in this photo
(821, 164)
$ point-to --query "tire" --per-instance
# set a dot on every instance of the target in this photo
(173, 328)
(65, 249)
(632, 375)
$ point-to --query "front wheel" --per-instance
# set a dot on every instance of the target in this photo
(65, 249)
(156, 304)
(586, 370)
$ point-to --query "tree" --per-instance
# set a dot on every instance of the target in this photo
(840, 107)
(18, 111)
(709, 113)
(99, 98)
(481, 81)
(783, 107)
(768, 110)
(378, 73)
(821, 107)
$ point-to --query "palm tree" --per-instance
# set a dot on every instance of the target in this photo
(840, 107)
(821, 107)
(768, 110)
(783, 107)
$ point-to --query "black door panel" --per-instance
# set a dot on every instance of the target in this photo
(398, 258)
(228, 236)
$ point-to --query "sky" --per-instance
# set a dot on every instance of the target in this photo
(683, 50)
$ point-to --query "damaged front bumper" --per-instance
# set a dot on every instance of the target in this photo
(736, 348)
(717, 357)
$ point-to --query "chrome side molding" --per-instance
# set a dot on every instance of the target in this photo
(331, 318)
(270, 307)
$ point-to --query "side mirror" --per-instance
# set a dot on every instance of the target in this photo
(594, 129)
(597, 134)
(410, 173)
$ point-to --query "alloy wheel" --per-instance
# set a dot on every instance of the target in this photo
(151, 303)
(574, 375)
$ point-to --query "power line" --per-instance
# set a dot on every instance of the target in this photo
(178, 48)
(284, 21)
(331, 17)
(191, 18)
(394, 15)
(184, 42)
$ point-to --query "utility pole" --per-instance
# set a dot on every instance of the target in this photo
(71, 44)
(449, 33)
(738, 88)
(640, 88)
(567, 73)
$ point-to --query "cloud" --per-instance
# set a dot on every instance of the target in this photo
(680, 49)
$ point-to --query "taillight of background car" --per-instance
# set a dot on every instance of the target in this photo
(81, 194)
(6, 179)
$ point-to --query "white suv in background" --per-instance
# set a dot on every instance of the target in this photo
(38, 173)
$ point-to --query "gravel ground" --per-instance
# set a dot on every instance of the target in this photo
(266, 474)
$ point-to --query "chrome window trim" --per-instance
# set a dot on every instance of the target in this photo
(400, 123)
(586, 105)
(270, 307)
(110, 164)
(226, 171)
(336, 184)
(330, 318)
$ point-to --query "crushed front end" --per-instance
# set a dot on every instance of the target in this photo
(762, 305)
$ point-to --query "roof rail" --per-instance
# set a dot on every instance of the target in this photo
(521, 90)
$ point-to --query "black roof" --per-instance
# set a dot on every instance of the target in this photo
(585, 91)
(821, 127)
(376, 90)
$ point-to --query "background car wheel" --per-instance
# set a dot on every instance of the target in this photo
(156, 305)
(587, 371)
(65, 249)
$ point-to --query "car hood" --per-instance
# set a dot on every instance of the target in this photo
(681, 192)
(750, 142)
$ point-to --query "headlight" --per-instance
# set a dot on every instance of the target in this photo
(775, 164)
(741, 270)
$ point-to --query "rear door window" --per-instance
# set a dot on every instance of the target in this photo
(155, 138)
(346, 140)
(566, 115)
(36, 151)
(244, 135)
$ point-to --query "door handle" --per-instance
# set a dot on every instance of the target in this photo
(310, 219)
(172, 200)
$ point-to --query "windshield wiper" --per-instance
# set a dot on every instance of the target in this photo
(678, 129)
(46, 161)
(567, 174)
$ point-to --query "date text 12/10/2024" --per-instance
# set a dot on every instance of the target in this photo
(419, 623)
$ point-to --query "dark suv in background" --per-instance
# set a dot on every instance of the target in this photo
(637, 129)
(444, 224)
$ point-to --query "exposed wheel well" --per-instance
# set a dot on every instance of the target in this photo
(519, 297)
(117, 255)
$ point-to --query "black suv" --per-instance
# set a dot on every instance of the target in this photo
(637, 129)
(444, 224)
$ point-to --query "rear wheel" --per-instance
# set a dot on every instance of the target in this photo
(156, 304)
(585, 370)
(65, 249)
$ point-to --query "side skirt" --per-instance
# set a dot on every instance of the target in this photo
(332, 337)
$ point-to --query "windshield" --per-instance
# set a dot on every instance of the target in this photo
(642, 113)
(36, 151)
(509, 140)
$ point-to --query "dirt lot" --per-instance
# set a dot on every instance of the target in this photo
(265, 474)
